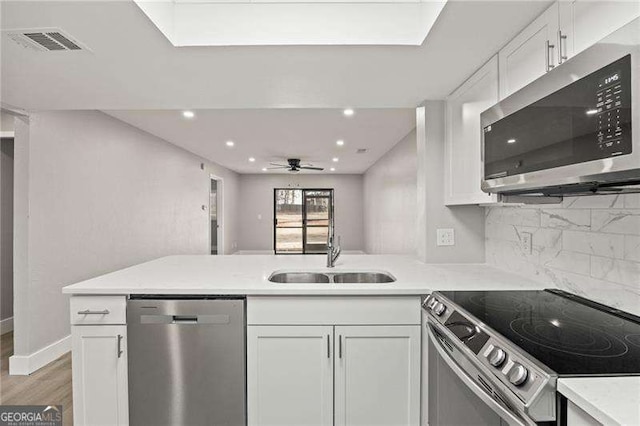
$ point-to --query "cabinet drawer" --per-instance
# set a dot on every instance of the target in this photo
(98, 310)
(330, 310)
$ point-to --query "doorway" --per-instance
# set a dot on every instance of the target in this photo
(301, 220)
(216, 235)
(6, 235)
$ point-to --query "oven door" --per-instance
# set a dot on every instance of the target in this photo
(457, 399)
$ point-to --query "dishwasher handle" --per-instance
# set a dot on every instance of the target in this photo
(219, 319)
(185, 319)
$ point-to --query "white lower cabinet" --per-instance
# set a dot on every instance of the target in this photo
(100, 375)
(296, 372)
(290, 375)
(377, 375)
(576, 416)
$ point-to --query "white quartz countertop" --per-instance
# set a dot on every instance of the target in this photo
(609, 400)
(248, 275)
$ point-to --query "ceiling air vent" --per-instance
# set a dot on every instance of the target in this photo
(361, 151)
(50, 39)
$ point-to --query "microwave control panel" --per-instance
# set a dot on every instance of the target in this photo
(609, 105)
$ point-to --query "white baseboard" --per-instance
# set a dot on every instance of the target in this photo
(245, 252)
(23, 365)
(6, 325)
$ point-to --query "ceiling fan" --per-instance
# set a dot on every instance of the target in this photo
(294, 166)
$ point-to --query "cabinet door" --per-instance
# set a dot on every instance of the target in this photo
(576, 416)
(530, 54)
(100, 375)
(290, 375)
(463, 140)
(594, 20)
(377, 375)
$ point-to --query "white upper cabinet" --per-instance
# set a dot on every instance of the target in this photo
(463, 168)
(562, 31)
(585, 22)
(530, 54)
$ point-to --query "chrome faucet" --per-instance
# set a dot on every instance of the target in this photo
(333, 252)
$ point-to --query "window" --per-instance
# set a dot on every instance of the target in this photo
(301, 220)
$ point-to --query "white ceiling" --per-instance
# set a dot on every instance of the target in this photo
(273, 135)
(131, 65)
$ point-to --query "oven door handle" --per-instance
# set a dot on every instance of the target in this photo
(504, 413)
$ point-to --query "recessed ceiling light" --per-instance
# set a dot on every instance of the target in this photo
(188, 114)
(336, 159)
(348, 112)
(333, 169)
(230, 144)
(251, 159)
(591, 111)
(264, 169)
(340, 142)
(511, 141)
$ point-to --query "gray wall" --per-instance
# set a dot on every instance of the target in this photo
(100, 195)
(467, 221)
(586, 245)
(390, 200)
(6, 122)
(6, 228)
(256, 198)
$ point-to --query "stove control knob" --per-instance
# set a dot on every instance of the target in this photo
(497, 357)
(518, 375)
(439, 309)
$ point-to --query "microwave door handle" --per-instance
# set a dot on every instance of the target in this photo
(505, 414)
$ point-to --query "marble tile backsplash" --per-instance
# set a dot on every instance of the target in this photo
(586, 245)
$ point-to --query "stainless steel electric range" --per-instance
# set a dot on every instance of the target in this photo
(495, 356)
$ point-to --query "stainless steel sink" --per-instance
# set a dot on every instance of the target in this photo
(299, 277)
(331, 277)
(362, 278)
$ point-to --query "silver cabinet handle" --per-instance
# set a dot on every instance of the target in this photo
(550, 47)
(119, 345)
(562, 38)
(89, 312)
(340, 346)
(328, 347)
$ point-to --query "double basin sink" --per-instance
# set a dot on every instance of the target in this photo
(331, 278)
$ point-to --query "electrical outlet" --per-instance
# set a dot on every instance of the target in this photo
(525, 242)
(445, 237)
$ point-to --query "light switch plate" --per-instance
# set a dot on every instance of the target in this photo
(525, 242)
(445, 237)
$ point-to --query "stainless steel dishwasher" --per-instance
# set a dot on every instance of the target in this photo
(187, 361)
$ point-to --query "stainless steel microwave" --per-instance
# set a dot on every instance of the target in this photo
(573, 131)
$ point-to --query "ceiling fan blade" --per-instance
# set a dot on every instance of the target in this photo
(311, 168)
(278, 164)
(277, 167)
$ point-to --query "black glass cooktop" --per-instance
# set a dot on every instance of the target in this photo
(570, 335)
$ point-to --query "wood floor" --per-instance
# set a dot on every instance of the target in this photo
(51, 385)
